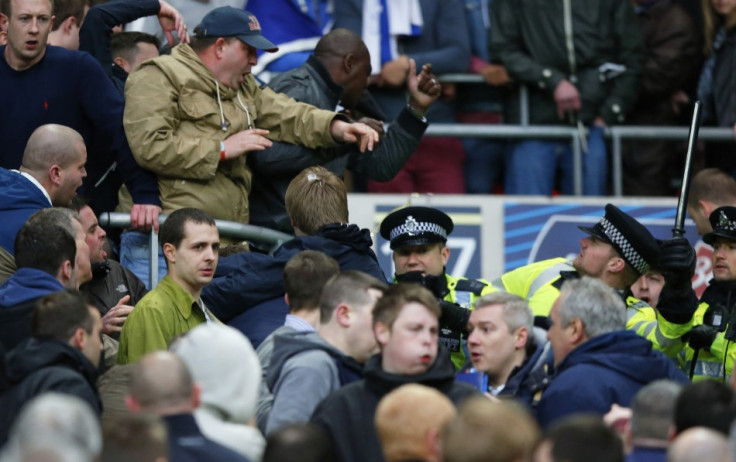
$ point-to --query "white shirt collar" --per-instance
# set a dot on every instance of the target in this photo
(38, 185)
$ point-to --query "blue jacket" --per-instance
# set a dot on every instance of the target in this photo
(244, 280)
(19, 199)
(18, 296)
(607, 369)
(70, 88)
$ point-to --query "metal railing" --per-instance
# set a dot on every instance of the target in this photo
(226, 228)
(616, 133)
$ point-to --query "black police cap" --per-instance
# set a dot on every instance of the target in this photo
(416, 226)
(630, 238)
(723, 222)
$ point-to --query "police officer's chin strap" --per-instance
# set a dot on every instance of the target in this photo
(454, 316)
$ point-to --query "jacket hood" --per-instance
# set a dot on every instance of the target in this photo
(626, 353)
(289, 344)
(224, 363)
(441, 375)
(33, 354)
(26, 284)
(15, 188)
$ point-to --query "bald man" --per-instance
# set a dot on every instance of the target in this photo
(161, 384)
(335, 77)
(52, 169)
(698, 444)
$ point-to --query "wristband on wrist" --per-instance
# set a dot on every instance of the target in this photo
(222, 151)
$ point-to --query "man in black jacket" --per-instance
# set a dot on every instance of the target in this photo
(335, 78)
(62, 356)
(406, 326)
(248, 288)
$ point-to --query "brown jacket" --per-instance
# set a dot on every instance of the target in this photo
(174, 126)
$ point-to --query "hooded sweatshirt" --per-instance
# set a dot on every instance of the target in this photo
(609, 368)
(21, 199)
(18, 296)
(245, 280)
(225, 365)
(304, 370)
(348, 414)
(37, 366)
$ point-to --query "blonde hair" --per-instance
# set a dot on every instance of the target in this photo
(712, 21)
(406, 415)
(315, 198)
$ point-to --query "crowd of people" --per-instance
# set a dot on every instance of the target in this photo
(310, 352)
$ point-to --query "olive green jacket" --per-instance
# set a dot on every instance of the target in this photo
(176, 114)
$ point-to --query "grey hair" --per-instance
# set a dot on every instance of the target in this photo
(516, 311)
(61, 216)
(653, 410)
(65, 420)
(597, 305)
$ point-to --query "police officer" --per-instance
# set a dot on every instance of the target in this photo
(710, 323)
(418, 236)
(618, 250)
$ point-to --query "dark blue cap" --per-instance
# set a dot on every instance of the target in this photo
(227, 21)
(723, 221)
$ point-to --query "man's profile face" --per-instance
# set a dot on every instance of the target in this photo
(362, 340)
(724, 259)
(409, 347)
(193, 263)
(356, 80)
(702, 225)
(236, 61)
(82, 265)
(70, 177)
(91, 350)
(593, 257)
(428, 259)
(29, 24)
(557, 333)
(95, 235)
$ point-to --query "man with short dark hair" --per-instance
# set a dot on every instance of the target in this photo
(114, 289)
(406, 327)
(596, 359)
(51, 255)
(710, 188)
(68, 18)
(308, 366)
(161, 384)
(335, 76)
(190, 242)
(119, 53)
(305, 275)
(62, 356)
